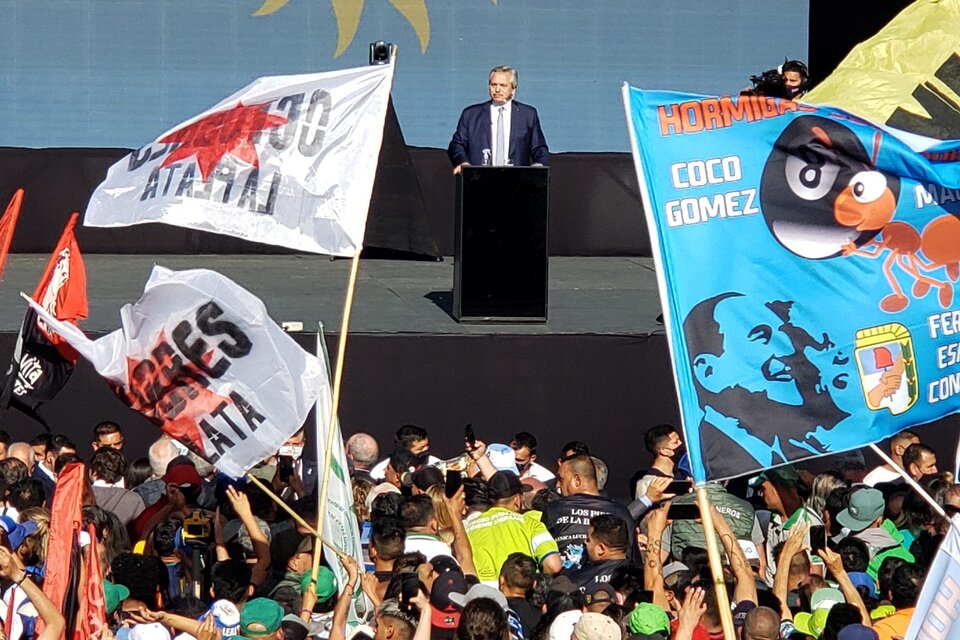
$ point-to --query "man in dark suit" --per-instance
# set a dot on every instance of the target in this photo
(500, 131)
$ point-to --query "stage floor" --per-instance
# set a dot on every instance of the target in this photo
(602, 296)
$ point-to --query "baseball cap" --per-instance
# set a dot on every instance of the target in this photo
(596, 626)
(287, 544)
(235, 530)
(445, 584)
(182, 475)
(20, 532)
(857, 632)
(825, 599)
(326, 583)
(294, 628)
(785, 476)
(152, 631)
(377, 491)
(648, 618)
(479, 591)
(600, 593)
(505, 484)
(562, 626)
(443, 563)
(861, 579)
(260, 617)
(866, 505)
(503, 458)
(114, 594)
(226, 617)
(811, 624)
(563, 584)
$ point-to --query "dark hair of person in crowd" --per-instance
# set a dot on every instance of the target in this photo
(519, 571)
(475, 494)
(165, 536)
(108, 464)
(12, 471)
(836, 502)
(187, 605)
(145, 576)
(610, 530)
(656, 436)
(925, 547)
(914, 452)
(616, 612)
(110, 531)
(59, 442)
(25, 494)
(230, 580)
(854, 553)
(41, 440)
(483, 619)
(413, 431)
(840, 616)
(572, 449)
(407, 562)
(64, 459)
(427, 477)
(417, 511)
(387, 536)
(288, 598)
(885, 574)
(541, 499)
(628, 582)
(386, 505)
(105, 428)
(557, 603)
(695, 558)
(400, 623)
(525, 439)
(766, 598)
(4, 437)
(261, 504)
(138, 472)
(541, 588)
(905, 585)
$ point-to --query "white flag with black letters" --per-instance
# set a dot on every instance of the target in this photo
(199, 357)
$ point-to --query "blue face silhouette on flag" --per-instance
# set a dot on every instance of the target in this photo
(807, 262)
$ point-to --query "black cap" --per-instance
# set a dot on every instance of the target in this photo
(505, 484)
(445, 584)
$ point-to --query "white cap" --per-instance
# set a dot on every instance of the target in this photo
(749, 550)
(563, 624)
(503, 458)
(152, 631)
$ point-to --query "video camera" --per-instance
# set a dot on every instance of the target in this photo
(198, 529)
(770, 83)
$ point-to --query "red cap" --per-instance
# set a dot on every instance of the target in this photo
(446, 618)
(182, 475)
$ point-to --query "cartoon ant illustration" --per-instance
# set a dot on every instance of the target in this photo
(822, 197)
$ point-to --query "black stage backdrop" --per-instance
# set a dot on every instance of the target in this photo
(594, 200)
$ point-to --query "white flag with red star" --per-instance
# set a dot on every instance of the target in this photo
(287, 161)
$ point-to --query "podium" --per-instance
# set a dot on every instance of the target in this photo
(500, 246)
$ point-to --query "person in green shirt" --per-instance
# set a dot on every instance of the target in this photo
(502, 530)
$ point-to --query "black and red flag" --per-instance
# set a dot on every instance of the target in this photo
(42, 361)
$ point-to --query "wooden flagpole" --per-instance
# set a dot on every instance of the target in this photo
(334, 408)
(716, 565)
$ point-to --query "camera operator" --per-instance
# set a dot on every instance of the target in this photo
(791, 81)
(296, 477)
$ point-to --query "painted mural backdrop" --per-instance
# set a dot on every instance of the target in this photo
(106, 73)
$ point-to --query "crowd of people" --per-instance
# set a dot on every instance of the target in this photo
(494, 543)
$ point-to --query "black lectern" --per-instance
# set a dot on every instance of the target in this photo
(500, 248)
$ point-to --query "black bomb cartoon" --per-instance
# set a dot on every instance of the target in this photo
(823, 197)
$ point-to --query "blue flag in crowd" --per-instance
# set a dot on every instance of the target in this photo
(808, 263)
(936, 615)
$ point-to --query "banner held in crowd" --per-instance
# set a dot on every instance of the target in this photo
(42, 362)
(935, 617)
(807, 262)
(287, 161)
(199, 357)
(7, 225)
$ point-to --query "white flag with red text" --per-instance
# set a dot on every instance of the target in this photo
(287, 161)
(199, 357)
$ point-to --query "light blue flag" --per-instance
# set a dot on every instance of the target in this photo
(808, 262)
(938, 606)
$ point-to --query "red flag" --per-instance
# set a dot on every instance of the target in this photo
(7, 225)
(62, 290)
(92, 616)
(66, 518)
